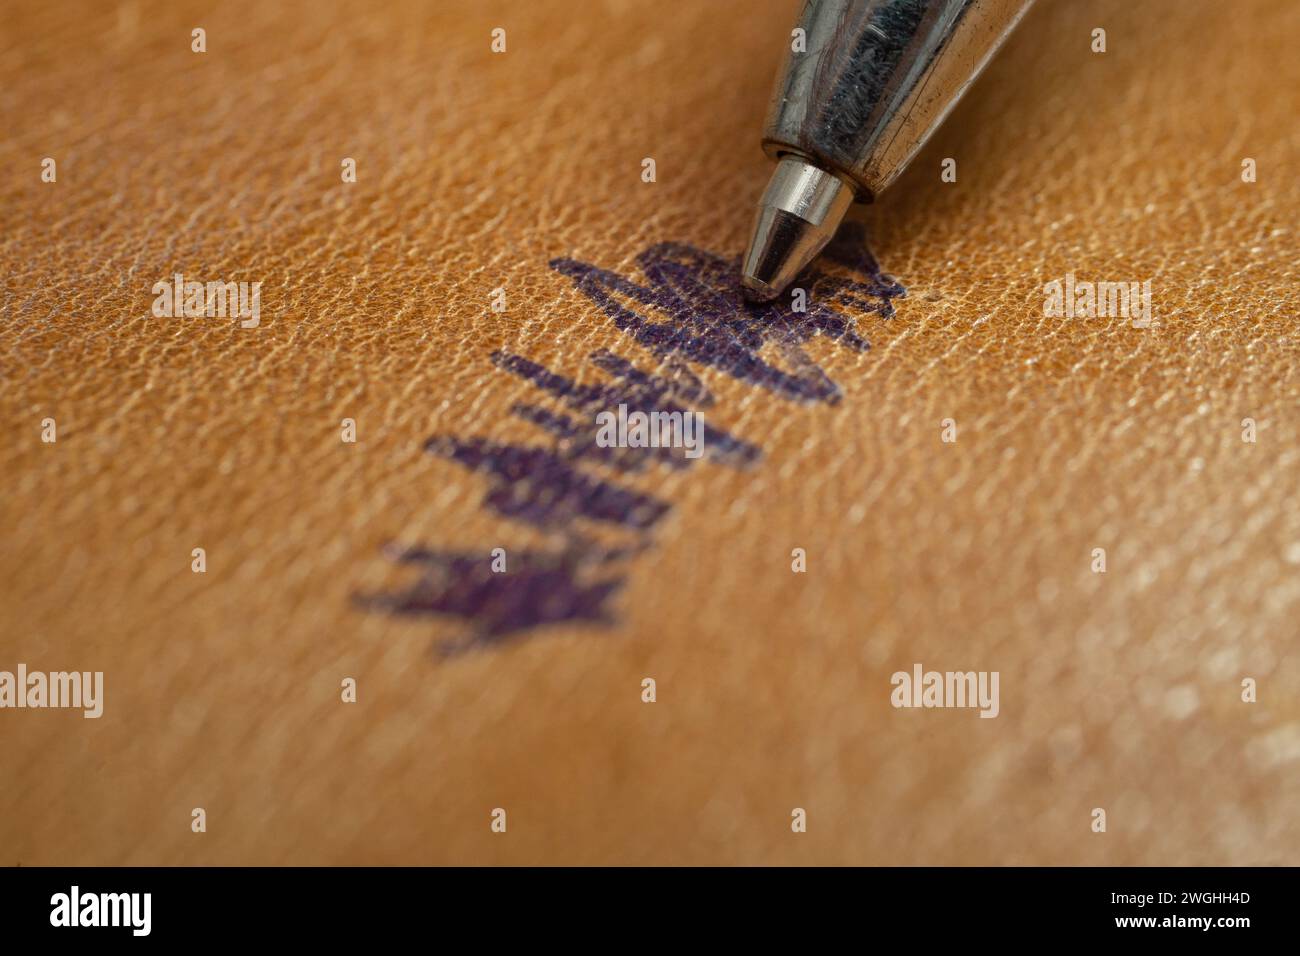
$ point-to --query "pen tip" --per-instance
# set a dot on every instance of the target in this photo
(756, 290)
(797, 216)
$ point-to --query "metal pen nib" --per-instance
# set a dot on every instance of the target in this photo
(866, 83)
(797, 216)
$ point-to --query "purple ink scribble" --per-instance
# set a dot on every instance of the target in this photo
(639, 391)
(688, 309)
(542, 488)
(538, 588)
(708, 320)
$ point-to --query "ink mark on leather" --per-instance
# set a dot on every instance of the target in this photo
(689, 309)
(639, 391)
(705, 318)
(543, 487)
(540, 588)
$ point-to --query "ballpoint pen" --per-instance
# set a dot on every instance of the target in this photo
(866, 83)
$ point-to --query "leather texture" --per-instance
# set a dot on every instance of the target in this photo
(522, 171)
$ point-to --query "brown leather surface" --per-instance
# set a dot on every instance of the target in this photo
(1118, 690)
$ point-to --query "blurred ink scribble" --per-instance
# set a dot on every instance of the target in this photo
(539, 588)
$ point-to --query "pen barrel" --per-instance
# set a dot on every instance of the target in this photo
(877, 77)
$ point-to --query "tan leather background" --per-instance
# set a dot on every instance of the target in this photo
(1118, 690)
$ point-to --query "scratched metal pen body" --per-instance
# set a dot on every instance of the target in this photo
(857, 98)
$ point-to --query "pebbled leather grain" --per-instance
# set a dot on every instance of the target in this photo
(477, 171)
